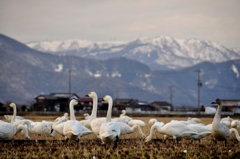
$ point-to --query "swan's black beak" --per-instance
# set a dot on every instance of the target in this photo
(213, 103)
(86, 95)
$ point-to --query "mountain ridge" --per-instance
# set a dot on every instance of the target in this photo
(26, 73)
(161, 52)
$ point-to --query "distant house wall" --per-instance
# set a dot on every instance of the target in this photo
(162, 106)
(53, 102)
(231, 105)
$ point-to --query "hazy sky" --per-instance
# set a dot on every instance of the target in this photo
(122, 20)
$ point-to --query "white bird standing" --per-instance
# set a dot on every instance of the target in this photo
(221, 131)
(25, 122)
(109, 130)
(71, 129)
(8, 130)
(40, 128)
(95, 122)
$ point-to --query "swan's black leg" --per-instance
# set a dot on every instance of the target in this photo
(115, 143)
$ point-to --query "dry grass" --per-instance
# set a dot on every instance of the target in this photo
(129, 146)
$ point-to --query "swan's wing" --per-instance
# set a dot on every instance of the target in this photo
(118, 120)
(137, 122)
(96, 124)
(223, 129)
(109, 130)
(72, 126)
(85, 131)
(188, 133)
(124, 128)
(85, 123)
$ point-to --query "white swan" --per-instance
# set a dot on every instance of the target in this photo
(63, 118)
(173, 129)
(202, 130)
(40, 128)
(9, 117)
(95, 122)
(44, 127)
(86, 116)
(152, 121)
(109, 130)
(125, 117)
(227, 120)
(8, 130)
(137, 122)
(235, 124)
(197, 120)
(25, 122)
(127, 129)
(71, 129)
(221, 131)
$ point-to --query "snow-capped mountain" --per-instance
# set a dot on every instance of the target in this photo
(26, 73)
(158, 53)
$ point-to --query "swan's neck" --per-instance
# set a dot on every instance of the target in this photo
(28, 123)
(140, 130)
(236, 133)
(109, 112)
(24, 129)
(94, 109)
(14, 113)
(217, 116)
(71, 109)
(152, 131)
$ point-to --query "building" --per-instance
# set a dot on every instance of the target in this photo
(231, 105)
(162, 106)
(131, 105)
(54, 102)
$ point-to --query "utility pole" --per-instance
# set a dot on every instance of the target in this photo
(199, 83)
(171, 95)
(116, 94)
(69, 84)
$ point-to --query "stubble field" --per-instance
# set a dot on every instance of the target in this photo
(129, 146)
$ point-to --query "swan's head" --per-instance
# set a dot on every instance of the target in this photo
(65, 114)
(147, 139)
(85, 114)
(123, 111)
(107, 98)
(152, 121)
(217, 101)
(92, 95)
(73, 102)
(12, 105)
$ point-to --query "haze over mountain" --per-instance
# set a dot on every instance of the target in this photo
(26, 73)
(158, 53)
